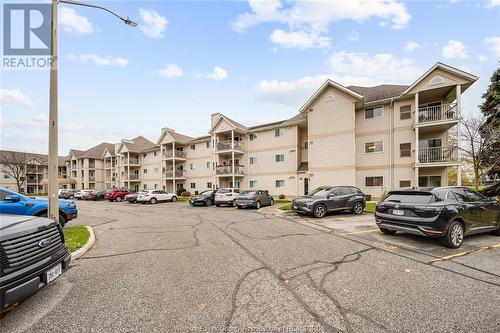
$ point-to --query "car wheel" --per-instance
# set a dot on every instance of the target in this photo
(233, 203)
(118, 199)
(174, 198)
(319, 211)
(496, 232)
(455, 235)
(153, 201)
(257, 205)
(208, 202)
(388, 231)
(357, 208)
(271, 203)
(239, 207)
(218, 205)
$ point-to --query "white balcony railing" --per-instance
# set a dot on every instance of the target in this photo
(91, 178)
(438, 112)
(172, 154)
(170, 173)
(227, 145)
(222, 170)
(438, 154)
(133, 177)
(131, 161)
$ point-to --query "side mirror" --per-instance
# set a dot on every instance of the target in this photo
(12, 198)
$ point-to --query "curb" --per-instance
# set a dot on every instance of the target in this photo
(90, 242)
(273, 211)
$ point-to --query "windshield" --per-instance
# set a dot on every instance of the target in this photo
(320, 192)
(409, 198)
(207, 192)
(223, 190)
(248, 192)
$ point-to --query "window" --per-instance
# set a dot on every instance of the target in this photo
(144, 186)
(429, 181)
(209, 184)
(253, 136)
(208, 144)
(145, 155)
(404, 183)
(405, 150)
(374, 181)
(208, 165)
(374, 147)
(278, 132)
(306, 145)
(253, 160)
(253, 184)
(156, 170)
(154, 153)
(280, 183)
(474, 196)
(145, 170)
(6, 176)
(191, 166)
(280, 158)
(374, 112)
(192, 147)
(404, 112)
(340, 191)
(193, 185)
(156, 186)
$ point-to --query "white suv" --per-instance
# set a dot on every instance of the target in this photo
(226, 196)
(153, 196)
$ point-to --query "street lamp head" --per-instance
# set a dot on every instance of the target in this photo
(130, 22)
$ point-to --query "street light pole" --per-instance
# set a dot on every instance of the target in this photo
(53, 211)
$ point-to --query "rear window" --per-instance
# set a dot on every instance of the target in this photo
(407, 198)
(248, 192)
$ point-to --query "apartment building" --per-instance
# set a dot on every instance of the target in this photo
(33, 170)
(376, 138)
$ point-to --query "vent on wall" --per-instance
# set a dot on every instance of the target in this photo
(436, 80)
(329, 98)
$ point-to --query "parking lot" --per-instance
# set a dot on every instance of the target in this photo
(174, 268)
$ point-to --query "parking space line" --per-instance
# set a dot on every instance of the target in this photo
(461, 254)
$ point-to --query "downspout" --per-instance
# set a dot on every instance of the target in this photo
(391, 146)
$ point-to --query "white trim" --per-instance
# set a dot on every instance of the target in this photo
(323, 87)
(373, 107)
(436, 79)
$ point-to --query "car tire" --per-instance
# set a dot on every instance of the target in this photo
(257, 205)
(239, 207)
(218, 205)
(174, 198)
(454, 236)
(496, 232)
(319, 211)
(118, 199)
(271, 203)
(233, 203)
(388, 231)
(357, 208)
(153, 201)
(208, 202)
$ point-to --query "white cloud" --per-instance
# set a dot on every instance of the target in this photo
(98, 60)
(15, 96)
(411, 46)
(455, 49)
(353, 36)
(153, 24)
(73, 23)
(217, 74)
(298, 39)
(314, 17)
(492, 3)
(346, 68)
(170, 71)
(493, 44)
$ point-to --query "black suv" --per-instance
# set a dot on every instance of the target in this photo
(448, 213)
(326, 199)
(32, 255)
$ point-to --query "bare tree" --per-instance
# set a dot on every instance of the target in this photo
(14, 164)
(477, 138)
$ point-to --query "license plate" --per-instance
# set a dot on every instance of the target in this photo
(54, 273)
(398, 212)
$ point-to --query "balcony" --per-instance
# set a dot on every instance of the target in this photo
(438, 155)
(133, 177)
(169, 154)
(131, 161)
(170, 174)
(108, 165)
(91, 165)
(226, 146)
(443, 112)
(34, 180)
(91, 178)
(33, 170)
(227, 170)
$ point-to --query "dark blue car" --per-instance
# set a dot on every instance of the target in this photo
(18, 204)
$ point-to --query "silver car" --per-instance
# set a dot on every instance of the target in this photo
(253, 198)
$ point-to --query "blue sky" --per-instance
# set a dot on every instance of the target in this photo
(254, 61)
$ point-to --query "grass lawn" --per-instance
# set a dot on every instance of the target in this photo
(287, 206)
(76, 237)
(370, 207)
(281, 201)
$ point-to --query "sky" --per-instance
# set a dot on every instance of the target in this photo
(255, 61)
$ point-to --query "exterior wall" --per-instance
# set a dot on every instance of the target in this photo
(151, 170)
(201, 174)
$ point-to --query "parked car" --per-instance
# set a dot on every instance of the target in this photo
(96, 195)
(326, 199)
(205, 198)
(254, 198)
(80, 195)
(226, 196)
(18, 204)
(33, 254)
(447, 213)
(68, 194)
(132, 197)
(116, 195)
(154, 196)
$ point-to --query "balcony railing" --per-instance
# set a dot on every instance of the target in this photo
(91, 178)
(438, 112)
(170, 173)
(438, 154)
(172, 154)
(131, 161)
(91, 165)
(228, 170)
(108, 165)
(133, 177)
(34, 170)
(34, 180)
(227, 145)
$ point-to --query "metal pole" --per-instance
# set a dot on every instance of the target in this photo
(53, 211)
